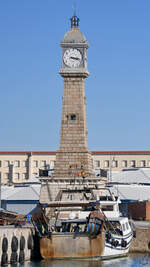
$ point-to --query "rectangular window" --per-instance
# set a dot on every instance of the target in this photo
(24, 175)
(107, 207)
(142, 163)
(124, 163)
(6, 163)
(43, 164)
(106, 164)
(6, 175)
(17, 163)
(47, 166)
(52, 163)
(17, 176)
(35, 163)
(25, 163)
(97, 163)
(114, 163)
(132, 163)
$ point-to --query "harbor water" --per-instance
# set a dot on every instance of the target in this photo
(133, 260)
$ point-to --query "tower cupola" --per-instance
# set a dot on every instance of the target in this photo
(74, 21)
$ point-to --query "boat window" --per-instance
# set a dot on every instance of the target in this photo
(103, 198)
(123, 227)
(127, 226)
(107, 207)
(71, 197)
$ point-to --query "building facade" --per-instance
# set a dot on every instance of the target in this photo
(20, 166)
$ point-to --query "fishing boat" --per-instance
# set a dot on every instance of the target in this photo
(84, 223)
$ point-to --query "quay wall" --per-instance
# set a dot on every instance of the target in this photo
(16, 244)
(141, 243)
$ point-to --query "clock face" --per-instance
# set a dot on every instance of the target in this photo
(72, 57)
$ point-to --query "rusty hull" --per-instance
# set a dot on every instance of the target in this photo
(72, 245)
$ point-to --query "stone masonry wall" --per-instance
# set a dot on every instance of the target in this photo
(73, 154)
(142, 241)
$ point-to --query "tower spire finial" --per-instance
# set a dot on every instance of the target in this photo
(74, 20)
(74, 9)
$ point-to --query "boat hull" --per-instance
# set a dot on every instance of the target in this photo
(72, 245)
(111, 251)
(81, 246)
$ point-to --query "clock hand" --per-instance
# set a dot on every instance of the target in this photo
(76, 58)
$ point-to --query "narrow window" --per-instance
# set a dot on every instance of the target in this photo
(106, 163)
(142, 163)
(124, 163)
(43, 163)
(6, 175)
(17, 163)
(97, 164)
(24, 163)
(123, 227)
(24, 175)
(115, 163)
(35, 163)
(132, 163)
(6, 163)
(17, 176)
(52, 163)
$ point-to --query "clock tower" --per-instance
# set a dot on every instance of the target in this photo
(73, 158)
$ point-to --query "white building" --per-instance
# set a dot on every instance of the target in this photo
(23, 165)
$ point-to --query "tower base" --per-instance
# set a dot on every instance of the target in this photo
(51, 188)
(73, 164)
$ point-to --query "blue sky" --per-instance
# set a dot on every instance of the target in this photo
(117, 90)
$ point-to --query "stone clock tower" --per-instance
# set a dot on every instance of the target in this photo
(73, 157)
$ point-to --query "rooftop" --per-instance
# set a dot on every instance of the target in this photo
(131, 176)
(132, 152)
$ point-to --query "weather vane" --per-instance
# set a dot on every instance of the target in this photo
(74, 9)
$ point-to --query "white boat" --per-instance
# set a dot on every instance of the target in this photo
(84, 222)
(118, 232)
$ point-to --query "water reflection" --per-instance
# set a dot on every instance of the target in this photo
(133, 260)
(64, 263)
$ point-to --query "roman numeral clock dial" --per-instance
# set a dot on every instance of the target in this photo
(72, 58)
